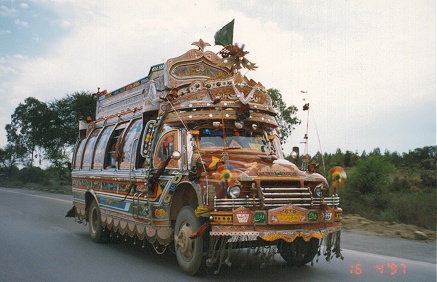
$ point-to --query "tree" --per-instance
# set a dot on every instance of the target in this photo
(49, 129)
(66, 114)
(375, 152)
(286, 116)
(14, 151)
(29, 127)
(8, 158)
(350, 159)
(371, 175)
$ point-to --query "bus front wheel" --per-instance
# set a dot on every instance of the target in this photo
(189, 252)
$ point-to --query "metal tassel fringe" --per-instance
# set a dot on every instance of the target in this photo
(332, 246)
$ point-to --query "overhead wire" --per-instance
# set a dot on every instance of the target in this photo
(320, 144)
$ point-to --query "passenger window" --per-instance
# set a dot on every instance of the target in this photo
(167, 144)
(113, 152)
(99, 155)
(79, 153)
(89, 150)
(130, 144)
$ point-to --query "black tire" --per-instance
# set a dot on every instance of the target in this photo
(189, 252)
(299, 252)
(95, 224)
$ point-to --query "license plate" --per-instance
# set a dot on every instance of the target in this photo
(287, 215)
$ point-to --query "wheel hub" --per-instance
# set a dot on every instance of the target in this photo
(183, 241)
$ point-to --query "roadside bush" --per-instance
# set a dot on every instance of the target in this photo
(418, 209)
(371, 175)
(389, 215)
(401, 184)
(367, 187)
(429, 179)
(33, 175)
(8, 171)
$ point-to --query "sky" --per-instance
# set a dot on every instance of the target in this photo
(368, 67)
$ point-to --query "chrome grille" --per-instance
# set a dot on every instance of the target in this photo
(235, 203)
(330, 201)
(281, 196)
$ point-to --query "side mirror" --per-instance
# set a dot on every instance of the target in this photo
(295, 154)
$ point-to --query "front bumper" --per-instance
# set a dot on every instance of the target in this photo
(285, 223)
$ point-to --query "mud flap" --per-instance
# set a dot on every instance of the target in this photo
(71, 212)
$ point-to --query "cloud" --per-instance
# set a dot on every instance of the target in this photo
(65, 24)
(5, 68)
(20, 56)
(5, 11)
(5, 31)
(21, 23)
(24, 5)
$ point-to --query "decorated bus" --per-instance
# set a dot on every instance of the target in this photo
(189, 158)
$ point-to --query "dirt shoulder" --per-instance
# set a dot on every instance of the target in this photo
(357, 224)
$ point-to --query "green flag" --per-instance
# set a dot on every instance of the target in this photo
(225, 35)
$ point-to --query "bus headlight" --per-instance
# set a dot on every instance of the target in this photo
(319, 191)
(234, 191)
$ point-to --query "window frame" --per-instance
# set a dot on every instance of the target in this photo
(129, 157)
(157, 160)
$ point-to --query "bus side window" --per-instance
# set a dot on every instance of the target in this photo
(79, 154)
(139, 160)
(89, 149)
(113, 152)
(99, 153)
(130, 143)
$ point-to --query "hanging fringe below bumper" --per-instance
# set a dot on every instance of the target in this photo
(332, 246)
(221, 247)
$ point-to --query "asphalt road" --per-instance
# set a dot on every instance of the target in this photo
(37, 243)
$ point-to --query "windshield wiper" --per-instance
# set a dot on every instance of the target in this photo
(233, 148)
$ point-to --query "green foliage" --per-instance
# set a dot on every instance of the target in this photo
(67, 113)
(350, 159)
(379, 188)
(8, 172)
(401, 184)
(429, 179)
(32, 174)
(418, 209)
(286, 116)
(52, 179)
(389, 215)
(425, 158)
(371, 175)
(28, 128)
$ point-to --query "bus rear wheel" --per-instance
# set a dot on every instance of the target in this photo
(97, 233)
(189, 252)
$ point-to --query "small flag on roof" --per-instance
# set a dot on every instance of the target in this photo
(225, 35)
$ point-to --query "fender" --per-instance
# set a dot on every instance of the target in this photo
(184, 195)
(90, 195)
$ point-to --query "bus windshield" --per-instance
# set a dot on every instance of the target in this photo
(235, 139)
